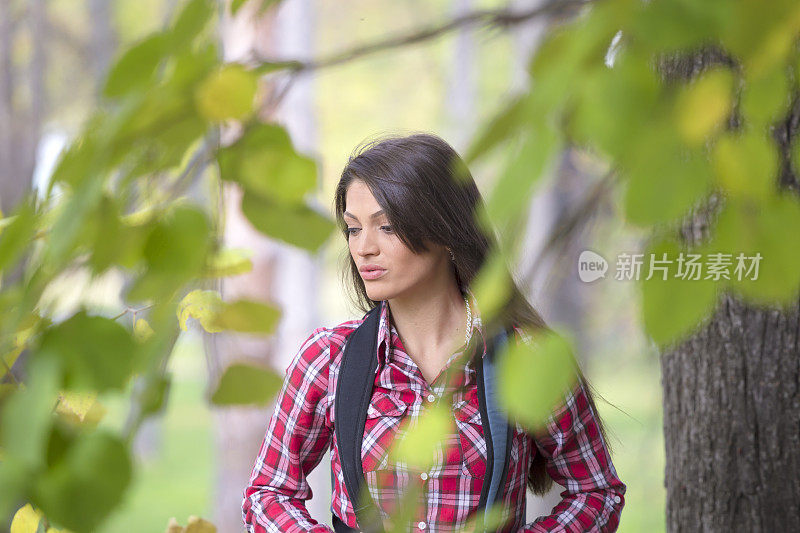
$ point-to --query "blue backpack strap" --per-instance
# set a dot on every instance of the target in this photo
(353, 395)
(497, 430)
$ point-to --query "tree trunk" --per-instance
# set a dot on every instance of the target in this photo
(731, 395)
(283, 275)
(732, 423)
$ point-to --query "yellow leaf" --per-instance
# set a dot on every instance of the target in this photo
(198, 525)
(703, 105)
(227, 93)
(142, 330)
(26, 520)
(140, 217)
(229, 262)
(202, 306)
(174, 527)
(80, 407)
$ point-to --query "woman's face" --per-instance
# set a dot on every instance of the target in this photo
(372, 241)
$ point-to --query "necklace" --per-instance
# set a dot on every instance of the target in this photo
(468, 333)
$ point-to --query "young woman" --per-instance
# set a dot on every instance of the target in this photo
(407, 207)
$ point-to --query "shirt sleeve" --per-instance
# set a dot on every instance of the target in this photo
(577, 459)
(296, 439)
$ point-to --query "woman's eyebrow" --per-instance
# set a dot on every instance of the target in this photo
(376, 214)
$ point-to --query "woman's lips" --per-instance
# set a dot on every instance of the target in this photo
(372, 274)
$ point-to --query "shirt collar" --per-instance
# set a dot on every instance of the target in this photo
(385, 327)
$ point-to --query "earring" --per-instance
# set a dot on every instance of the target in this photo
(452, 255)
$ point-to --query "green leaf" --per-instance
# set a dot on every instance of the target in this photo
(88, 484)
(264, 162)
(201, 305)
(263, 5)
(502, 126)
(247, 316)
(770, 230)
(664, 179)
(167, 148)
(492, 285)
(27, 414)
(17, 235)
(525, 168)
(137, 66)
(15, 479)
(175, 251)
(674, 307)
(246, 384)
(761, 39)
(614, 105)
(106, 237)
(78, 162)
(765, 98)
(418, 444)
(227, 93)
(236, 5)
(71, 218)
(534, 377)
(191, 21)
(703, 105)
(97, 352)
(679, 26)
(155, 393)
(191, 66)
(746, 165)
(295, 224)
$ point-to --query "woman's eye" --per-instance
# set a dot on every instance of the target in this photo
(351, 231)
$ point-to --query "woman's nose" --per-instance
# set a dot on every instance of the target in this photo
(367, 245)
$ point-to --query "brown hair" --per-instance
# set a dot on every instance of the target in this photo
(429, 195)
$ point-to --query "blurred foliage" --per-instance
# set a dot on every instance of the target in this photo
(115, 201)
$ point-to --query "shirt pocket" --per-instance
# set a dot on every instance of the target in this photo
(471, 439)
(384, 416)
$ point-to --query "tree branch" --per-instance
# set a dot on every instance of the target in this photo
(484, 17)
(570, 223)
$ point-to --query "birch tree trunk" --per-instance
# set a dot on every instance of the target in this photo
(282, 275)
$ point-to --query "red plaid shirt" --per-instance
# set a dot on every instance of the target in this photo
(300, 430)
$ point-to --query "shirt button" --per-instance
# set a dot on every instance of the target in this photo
(431, 398)
(424, 476)
(421, 525)
(616, 499)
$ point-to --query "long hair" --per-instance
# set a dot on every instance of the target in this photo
(429, 196)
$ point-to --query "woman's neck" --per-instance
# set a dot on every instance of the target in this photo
(430, 324)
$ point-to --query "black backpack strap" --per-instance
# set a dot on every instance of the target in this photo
(353, 395)
(497, 430)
